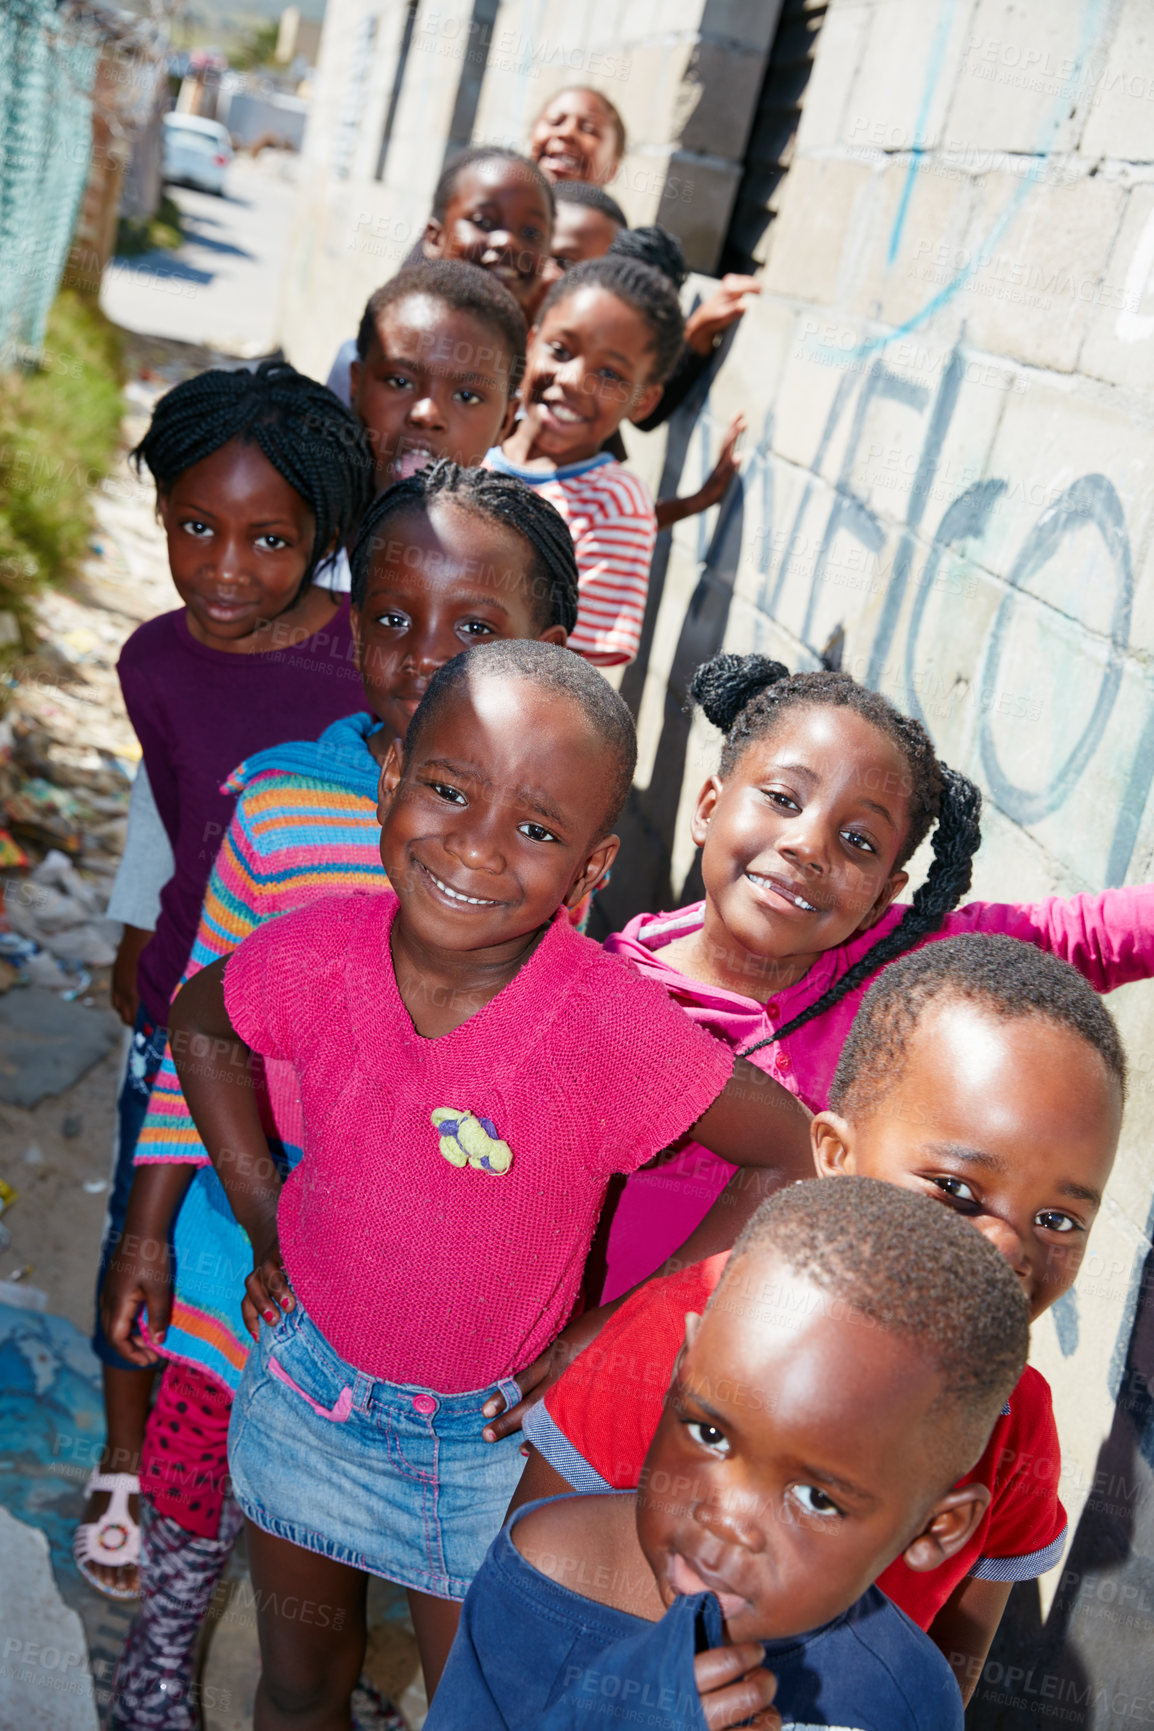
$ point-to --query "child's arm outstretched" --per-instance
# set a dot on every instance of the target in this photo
(759, 1127)
(216, 1075)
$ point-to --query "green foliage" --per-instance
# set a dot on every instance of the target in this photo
(59, 435)
(257, 50)
(161, 230)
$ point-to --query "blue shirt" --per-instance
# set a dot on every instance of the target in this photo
(532, 1654)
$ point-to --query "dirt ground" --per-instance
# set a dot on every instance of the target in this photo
(57, 1155)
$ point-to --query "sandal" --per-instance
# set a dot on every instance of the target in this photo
(112, 1541)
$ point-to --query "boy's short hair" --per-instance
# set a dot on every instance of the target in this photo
(641, 287)
(464, 287)
(594, 197)
(1011, 979)
(915, 1269)
(561, 672)
(473, 157)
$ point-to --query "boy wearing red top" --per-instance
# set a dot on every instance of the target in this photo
(981, 1071)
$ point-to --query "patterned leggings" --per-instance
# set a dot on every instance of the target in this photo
(154, 1688)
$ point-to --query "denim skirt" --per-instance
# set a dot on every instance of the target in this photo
(386, 1477)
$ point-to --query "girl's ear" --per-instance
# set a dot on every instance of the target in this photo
(832, 1142)
(391, 772)
(950, 1524)
(593, 870)
(702, 812)
(894, 885)
(433, 239)
(356, 369)
(646, 403)
(554, 634)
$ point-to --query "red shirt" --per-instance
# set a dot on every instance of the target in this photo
(595, 1425)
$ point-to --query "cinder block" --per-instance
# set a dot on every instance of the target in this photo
(1028, 280)
(1119, 90)
(841, 49)
(719, 90)
(906, 76)
(1118, 344)
(1047, 439)
(695, 198)
(810, 234)
(751, 23)
(1018, 80)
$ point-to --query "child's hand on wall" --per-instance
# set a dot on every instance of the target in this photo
(723, 308)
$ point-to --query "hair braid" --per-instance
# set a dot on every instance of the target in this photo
(306, 433)
(745, 695)
(502, 499)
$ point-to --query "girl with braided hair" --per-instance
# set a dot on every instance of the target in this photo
(445, 559)
(258, 476)
(824, 792)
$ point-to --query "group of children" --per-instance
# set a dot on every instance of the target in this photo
(782, 1454)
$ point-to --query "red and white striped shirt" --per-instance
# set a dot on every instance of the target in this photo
(614, 526)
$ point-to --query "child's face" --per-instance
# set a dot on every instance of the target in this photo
(498, 819)
(791, 1464)
(589, 368)
(1012, 1123)
(239, 543)
(436, 383)
(579, 232)
(497, 217)
(574, 138)
(441, 582)
(801, 838)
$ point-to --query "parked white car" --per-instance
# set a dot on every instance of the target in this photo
(196, 152)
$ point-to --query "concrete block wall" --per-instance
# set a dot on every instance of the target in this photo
(950, 472)
(948, 481)
(684, 73)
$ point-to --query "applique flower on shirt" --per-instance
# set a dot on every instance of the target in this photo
(467, 1140)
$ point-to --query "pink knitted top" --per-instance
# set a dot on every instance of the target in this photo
(424, 1253)
(1109, 938)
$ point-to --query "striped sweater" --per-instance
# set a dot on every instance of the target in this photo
(614, 526)
(305, 826)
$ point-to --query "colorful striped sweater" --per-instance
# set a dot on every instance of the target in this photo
(613, 523)
(305, 826)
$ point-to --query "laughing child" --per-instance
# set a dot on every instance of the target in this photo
(444, 560)
(983, 1073)
(823, 792)
(844, 1378)
(604, 343)
(470, 1070)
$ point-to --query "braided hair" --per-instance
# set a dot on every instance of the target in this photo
(652, 245)
(306, 433)
(552, 580)
(641, 287)
(745, 695)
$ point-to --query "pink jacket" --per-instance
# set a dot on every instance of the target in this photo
(1109, 938)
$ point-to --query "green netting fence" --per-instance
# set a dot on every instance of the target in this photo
(47, 70)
